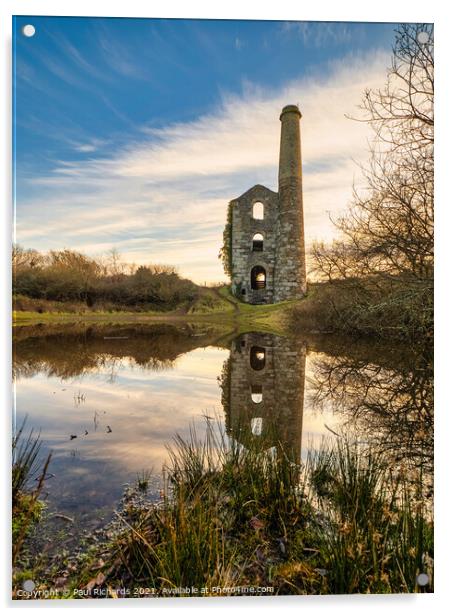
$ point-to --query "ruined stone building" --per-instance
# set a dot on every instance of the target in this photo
(263, 392)
(267, 235)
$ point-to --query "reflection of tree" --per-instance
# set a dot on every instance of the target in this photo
(224, 382)
(72, 351)
(391, 408)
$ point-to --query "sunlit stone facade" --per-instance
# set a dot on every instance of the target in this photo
(267, 243)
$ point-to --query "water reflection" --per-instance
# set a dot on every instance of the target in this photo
(108, 399)
(72, 350)
(263, 392)
(389, 404)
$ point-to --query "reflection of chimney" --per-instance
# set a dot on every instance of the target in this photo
(290, 266)
(290, 365)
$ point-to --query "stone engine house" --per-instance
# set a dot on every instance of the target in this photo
(267, 229)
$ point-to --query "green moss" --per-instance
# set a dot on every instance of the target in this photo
(27, 512)
(225, 253)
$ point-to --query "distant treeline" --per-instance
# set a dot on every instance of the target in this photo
(69, 276)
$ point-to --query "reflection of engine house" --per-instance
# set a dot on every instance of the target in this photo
(267, 233)
(264, 392)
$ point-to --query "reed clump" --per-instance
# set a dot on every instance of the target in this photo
(374, 530)
(26, 505)
(235, 516)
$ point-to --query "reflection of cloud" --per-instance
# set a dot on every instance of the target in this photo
(314, 420)
(163, 198)
(145, 409)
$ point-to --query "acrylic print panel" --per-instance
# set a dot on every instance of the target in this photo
(223, 265)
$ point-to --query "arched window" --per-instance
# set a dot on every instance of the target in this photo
(258, 210)
(258, 277)
(256, 426)
(258, 242)
(257, 358)
(256, 394)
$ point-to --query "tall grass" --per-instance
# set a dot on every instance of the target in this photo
(25, 451)
(26, 507)
(222, 502)
(376, 531)
(234, 515)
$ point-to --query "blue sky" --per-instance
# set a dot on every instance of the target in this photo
(135, 133)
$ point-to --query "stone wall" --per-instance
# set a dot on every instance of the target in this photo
(244, 226)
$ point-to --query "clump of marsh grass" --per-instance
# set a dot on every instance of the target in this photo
(26, 506)
(25, 452)
(143, 479)
(375, 530)
(234, 514)
(227, 509)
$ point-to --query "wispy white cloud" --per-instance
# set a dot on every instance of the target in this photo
(318, 34)
(90, 146)
(78, 58)
(117, 56)
(85, 147)
(163, 196)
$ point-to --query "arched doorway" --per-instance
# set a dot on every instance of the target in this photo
(258, 277)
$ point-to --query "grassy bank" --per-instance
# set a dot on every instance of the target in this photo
(369, 308)
(206, 300)
(327, 308)
(235, 518)
(217, 306)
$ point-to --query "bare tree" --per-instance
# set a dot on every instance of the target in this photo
(22, 257)
(387, 231)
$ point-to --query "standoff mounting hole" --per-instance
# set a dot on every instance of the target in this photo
(422, 37)
(28, 30)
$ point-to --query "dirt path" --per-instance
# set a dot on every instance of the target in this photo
(227, 299)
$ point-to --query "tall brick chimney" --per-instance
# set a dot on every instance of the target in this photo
(290, 263)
